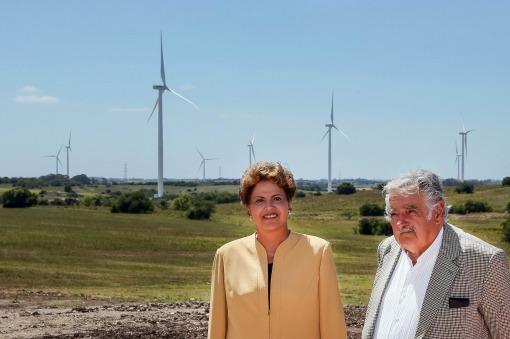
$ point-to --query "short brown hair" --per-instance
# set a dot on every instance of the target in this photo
(265, 170)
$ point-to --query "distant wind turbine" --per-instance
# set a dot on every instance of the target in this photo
(159, 103)
(57, 159)
(463, 135)
(457, 161)
(328, 133)
(68, 149)
(203, 162)
(251, 151)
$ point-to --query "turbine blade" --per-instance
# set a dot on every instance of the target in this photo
(252, 140)
(201, 155)
(339, 130)
(183, 98)
(69, 141)
(325, 135)
(155, 105)
(162, 61)
(59, 150)
(332, 95)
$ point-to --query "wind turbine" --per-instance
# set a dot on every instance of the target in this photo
(68, 148)
(328, 133)
(457, 161)
(463, 135)
(57, 160)
(159, 103)
(251, 150)
(202, 163)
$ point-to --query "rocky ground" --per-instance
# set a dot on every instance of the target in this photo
(53, 315)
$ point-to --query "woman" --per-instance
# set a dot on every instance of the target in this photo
(274, 283)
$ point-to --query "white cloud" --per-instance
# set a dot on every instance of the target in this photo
(29, 96)
(37, 99)
(127, 109)
(29, 89)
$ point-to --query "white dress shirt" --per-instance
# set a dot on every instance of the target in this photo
(401, 305)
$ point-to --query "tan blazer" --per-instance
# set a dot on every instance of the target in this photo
(468, 295)
(305, 301)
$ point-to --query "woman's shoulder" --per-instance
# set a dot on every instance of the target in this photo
(244, 242)
(312, 240)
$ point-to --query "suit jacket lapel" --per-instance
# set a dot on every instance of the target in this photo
(445, 270)
(382, 278)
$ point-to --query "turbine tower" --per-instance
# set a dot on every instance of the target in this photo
(463, 135)
(457, 161)
(68, 149)
(251, 151)
(328, 133)
(57, 159)
(202, 163)
(159, 103)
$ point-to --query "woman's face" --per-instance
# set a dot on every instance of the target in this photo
(268, 207)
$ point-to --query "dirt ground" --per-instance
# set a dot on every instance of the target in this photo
(27, 314)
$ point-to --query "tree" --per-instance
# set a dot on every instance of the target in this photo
(345, 188)
(200, 210)
(506, 181)
(18, 198)
(371, 210)
(465, 187)
(134, 202)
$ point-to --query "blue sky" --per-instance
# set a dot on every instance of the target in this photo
(406, 76)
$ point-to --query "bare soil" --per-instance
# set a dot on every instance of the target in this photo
(26, 314)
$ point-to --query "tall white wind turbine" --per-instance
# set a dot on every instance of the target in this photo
(328, 133)
(463, 135)
(68, 149)
(457, 161)
(57, 159)
(159, 104)
(203, 163)
(251, 151)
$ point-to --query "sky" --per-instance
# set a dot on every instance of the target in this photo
(407, 76)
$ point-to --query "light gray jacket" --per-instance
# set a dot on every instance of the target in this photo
(468, 295)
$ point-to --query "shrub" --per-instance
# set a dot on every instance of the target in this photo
(465, 187)
(457, 209)
(134, 202)
(43, 202)
(477, 206)
(68, 188)
(18, 198)
(70, 201)
(226, 197)
(57, 202)
(182, 202)
(345, 188)
(508, 207)
(300, 194)
(505, 181)
(200, 210)
(371, 210)
(374, 226)
(506, 229)
(471, 206)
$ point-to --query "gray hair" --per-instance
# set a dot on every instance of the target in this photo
(417, 181)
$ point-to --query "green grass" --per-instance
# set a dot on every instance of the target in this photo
(163, 256)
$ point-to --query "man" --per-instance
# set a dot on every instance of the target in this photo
(433, 279)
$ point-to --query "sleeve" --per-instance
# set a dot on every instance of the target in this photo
(495, 300)
(332, 320)
(218, 307)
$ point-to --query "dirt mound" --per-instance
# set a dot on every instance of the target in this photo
(53, 315)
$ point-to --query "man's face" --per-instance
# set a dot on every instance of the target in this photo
(413, 229)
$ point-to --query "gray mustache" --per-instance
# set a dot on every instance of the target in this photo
(407, 229)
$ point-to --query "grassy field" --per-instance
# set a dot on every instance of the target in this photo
(164, 256)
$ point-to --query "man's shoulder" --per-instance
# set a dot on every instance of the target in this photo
(472, 245)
